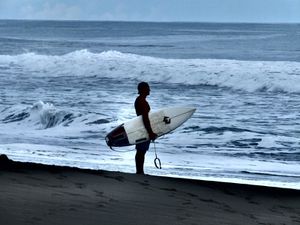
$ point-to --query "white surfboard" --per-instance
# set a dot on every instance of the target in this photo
(162, 122)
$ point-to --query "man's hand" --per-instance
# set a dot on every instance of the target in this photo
(152, 136)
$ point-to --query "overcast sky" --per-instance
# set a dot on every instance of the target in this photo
(270, 11)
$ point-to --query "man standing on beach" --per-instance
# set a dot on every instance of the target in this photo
(142, 108)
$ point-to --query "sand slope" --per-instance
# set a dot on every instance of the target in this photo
(38, 194)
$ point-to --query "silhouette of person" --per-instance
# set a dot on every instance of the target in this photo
(142, 108)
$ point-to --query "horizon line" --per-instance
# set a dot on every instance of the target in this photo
(146, 21)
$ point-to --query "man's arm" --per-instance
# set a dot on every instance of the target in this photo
(147, 125)
(146, 121)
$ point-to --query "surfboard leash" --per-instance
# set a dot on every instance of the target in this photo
(157, 162)
(121, 151)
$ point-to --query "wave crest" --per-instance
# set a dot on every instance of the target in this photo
(267, 76)
(42, 115)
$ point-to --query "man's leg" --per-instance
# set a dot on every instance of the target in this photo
(139, 161)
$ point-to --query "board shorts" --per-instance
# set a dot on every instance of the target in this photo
(143, 146)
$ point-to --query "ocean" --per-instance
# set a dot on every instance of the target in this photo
(65, 84)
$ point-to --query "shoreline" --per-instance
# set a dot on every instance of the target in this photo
(225, 180)
(11, 165)
(43, 194)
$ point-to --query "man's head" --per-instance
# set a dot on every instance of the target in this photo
(144, 88)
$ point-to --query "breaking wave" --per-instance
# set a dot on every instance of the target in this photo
(251, 76)
(42, 115)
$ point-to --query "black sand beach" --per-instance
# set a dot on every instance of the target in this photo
(42, 194)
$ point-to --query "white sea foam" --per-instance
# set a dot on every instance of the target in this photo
(44, 123)
(251, 76)
(41, 115)
(245, 128)
(231, 138)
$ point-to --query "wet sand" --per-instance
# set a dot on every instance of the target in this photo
(40, 194)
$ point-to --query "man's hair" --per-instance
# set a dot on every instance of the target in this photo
(142, 86)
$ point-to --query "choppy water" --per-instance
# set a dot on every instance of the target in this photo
(64, 85)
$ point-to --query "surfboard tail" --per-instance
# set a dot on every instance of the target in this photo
(117, 137)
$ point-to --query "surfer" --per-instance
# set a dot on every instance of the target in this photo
(142, 108)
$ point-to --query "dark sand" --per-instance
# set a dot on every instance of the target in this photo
(39, 194)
